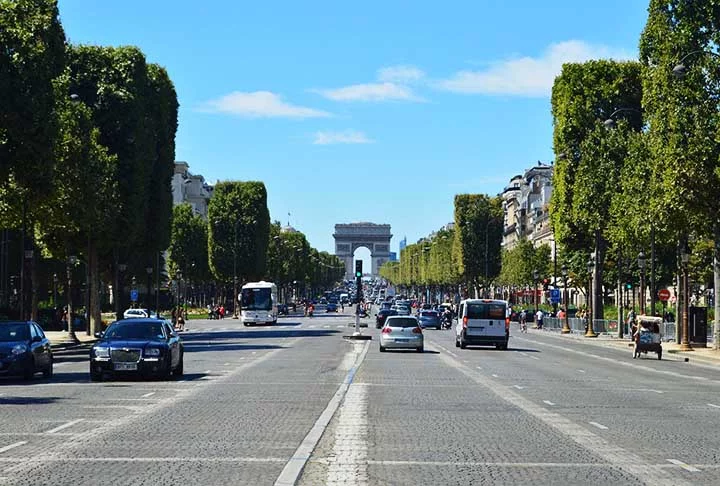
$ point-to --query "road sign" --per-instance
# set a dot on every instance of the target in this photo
(664, 294)
(134, 295)
(555, 296)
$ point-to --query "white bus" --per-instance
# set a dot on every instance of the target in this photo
(258, 303)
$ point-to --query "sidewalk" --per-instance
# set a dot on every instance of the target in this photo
(61, 339)
(701, 355)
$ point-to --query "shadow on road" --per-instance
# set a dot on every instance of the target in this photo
(28, 400)
(202, 347)
(264, 333)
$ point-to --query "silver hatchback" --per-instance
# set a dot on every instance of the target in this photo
(402, 332)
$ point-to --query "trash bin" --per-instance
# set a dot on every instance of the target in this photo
(697, 326)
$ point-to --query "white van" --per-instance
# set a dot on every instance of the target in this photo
(482, 321)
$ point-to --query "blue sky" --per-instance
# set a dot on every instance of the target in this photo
(374, 111)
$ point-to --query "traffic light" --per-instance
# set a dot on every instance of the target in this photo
(628, 286)
(358, 268)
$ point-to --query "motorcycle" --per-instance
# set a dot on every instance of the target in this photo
(446, 321)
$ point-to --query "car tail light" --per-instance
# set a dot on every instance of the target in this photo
(465, 321)
(507, 323)
(417, 330)
(387, 330)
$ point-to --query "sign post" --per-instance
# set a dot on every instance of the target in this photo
(357, 335)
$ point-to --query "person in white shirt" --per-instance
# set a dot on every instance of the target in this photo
(539, 318)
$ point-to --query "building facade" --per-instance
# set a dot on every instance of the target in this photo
(526, 204)
(190, 188)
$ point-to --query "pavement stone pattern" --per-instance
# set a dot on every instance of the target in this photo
(551, 410)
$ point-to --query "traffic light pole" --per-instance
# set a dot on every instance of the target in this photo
(357, 335)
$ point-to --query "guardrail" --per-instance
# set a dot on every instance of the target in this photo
(610, 326)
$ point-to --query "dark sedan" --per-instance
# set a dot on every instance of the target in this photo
(24, 350)
(382, 315)
(429, 318)
(144, 346)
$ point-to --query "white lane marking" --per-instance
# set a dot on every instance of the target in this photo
(294, 467)
(350, 446)
(494, 375)
(226, 364)
(683, 465)
(63, 426)
(548, 402)
(254, 352)
(581, 371)
(519, 387)
(311, 327)
(147, 395)
(150, 459)
(651, 390)
(326, 327)
(623, 459)
(479, 367)
(524, 354)
(599, 426)
(12, 446)
(533, 357)
(713, 405)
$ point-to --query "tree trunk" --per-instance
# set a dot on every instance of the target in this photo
(716, 286)
(94, 289)
(33, 286)
(597, 290)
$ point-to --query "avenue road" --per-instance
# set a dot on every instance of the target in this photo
(297, 404)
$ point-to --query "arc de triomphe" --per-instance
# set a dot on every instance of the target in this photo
(374, 237)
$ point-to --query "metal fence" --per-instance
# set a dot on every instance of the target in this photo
(610, 326)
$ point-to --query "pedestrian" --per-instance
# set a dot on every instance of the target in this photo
(221, 311)
(173, 317)
(539, 316)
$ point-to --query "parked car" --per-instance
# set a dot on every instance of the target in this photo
(143, 346)
(401, 332)
(429, 318)
(24, 350)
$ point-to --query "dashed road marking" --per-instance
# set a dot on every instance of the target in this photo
(651, 390)
(548, 402)
(687, 467)
(519, 387)
(63, 426)
(713, 405)
(479, 367)
(599, 426)
(12, 446)
(147, 395)
(494, 375)
(581, 371)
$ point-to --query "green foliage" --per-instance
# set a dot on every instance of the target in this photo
(189, 244)
(32, 55)
(239, 230)
(519, 263)
(478, 237)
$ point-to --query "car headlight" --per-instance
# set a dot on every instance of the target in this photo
(19, 349)
(152, 352)
(101, 352)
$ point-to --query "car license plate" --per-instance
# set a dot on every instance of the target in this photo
(401, 340)
(125, 366)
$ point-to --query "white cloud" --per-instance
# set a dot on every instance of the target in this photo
(346, 136)
(370, 92)
(259, 104)
(400, 74)
(529, 76)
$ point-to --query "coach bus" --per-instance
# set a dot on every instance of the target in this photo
(258, 303)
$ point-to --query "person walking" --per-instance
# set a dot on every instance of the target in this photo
(539, 316)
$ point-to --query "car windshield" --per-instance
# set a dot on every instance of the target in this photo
(256, 299)
(14, 332)
(141, 330)
(402, 322)
(485, 311)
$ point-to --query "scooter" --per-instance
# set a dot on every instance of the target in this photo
(447, 322)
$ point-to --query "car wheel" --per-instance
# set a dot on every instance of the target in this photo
(462, 344)
(48, 372)
(29, 373)
(95, 376)
(457, 343)
(179, 370)
(421, 349)
(246, 324)
(382, 349)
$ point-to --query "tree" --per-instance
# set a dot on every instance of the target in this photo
(586, 176)
(189, 244)
(684, 121)
(478, 237)
(239, 230)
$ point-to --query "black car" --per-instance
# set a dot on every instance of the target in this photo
(24, 350)
(144, 346)
(382, 315)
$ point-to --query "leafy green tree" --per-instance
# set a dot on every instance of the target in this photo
(478, 237)
(239, 230)
(189, 244)
(587, 175)
(684, 120)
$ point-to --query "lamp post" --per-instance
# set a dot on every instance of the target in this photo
(590, 332)
(685, 338)
(641, 265)
(535, 280)
(566, 325)
(149, 271)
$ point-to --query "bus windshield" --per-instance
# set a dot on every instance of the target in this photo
(256, 299)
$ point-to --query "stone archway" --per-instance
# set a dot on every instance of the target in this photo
(374, 237)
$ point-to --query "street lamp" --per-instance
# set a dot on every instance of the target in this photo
(590, 332)
(680, 70)
(610, 122)
(641, 265)
(55, 282)
(535, 280)
(685, 339)
(149, 271)
(566, 325)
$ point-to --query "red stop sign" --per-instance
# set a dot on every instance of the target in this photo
(664, 294)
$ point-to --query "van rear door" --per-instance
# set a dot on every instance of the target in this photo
(486, 318)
